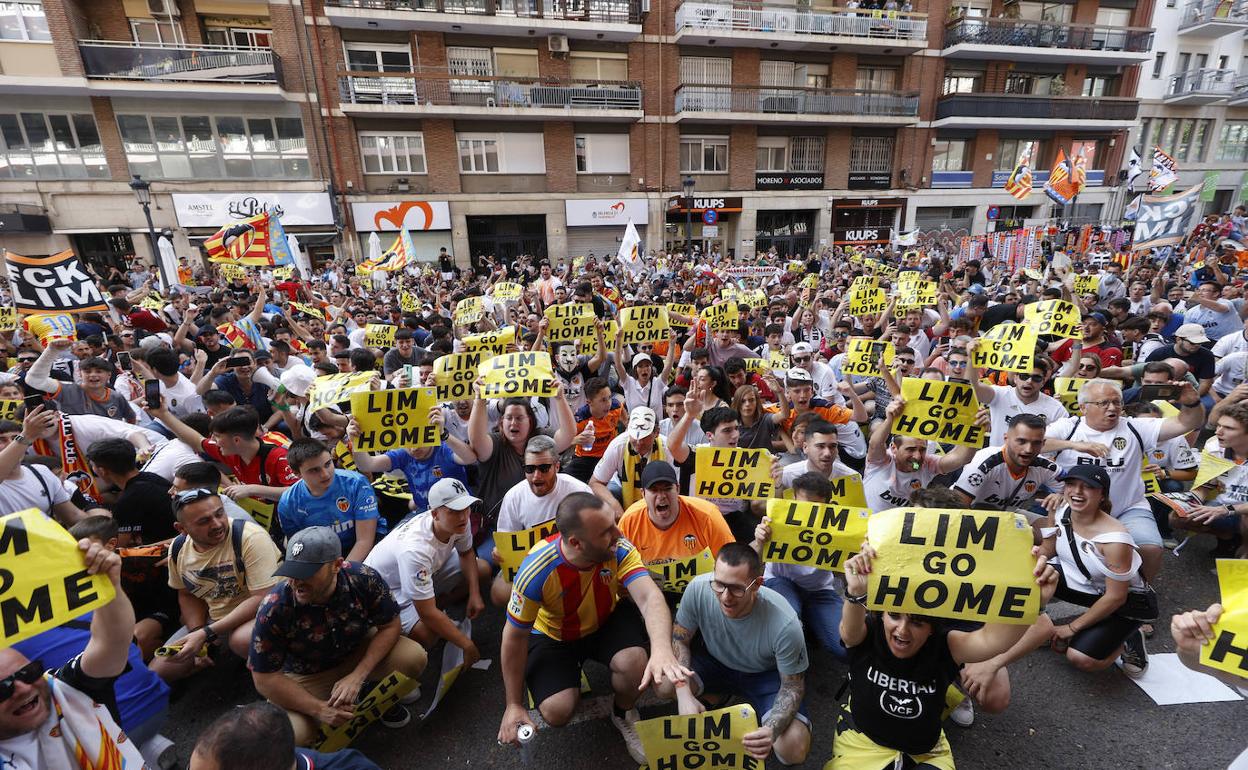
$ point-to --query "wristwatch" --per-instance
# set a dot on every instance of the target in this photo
(19, 438)
(859, 600)
(1230, 508)
(210, 636)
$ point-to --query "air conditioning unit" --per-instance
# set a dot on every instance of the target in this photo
(167, 8)
(557, 43)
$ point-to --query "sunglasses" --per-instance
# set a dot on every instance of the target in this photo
(27, 674)
(539, 468)
(1030, 377)
(189, 496)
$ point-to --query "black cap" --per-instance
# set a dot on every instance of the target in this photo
(1092, 475)
(207, 330)
(657, 472)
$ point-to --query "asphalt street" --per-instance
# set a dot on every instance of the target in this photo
(1058, 717)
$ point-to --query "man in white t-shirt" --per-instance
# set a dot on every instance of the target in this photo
(34, 486)
(428, 562)
(1121, 444)
(893, 472)
(823, 448)
(1022, 396)
(1010, 475)
(533, 501)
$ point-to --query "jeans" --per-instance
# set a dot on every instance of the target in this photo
(820, 611)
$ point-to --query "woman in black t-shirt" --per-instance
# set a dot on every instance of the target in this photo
(900, 667)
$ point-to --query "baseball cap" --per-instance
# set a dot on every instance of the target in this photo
(640, 357)
(801, 349)
(206, 330)
(1098, 317)
(641, 422)
(308, 551)
(298, 379)
(450, 493)
(797, 374)
(1192, 333)
(657, 472)
(1093, 475)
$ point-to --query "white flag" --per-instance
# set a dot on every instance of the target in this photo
(1132, 212)
(907, 239)
(630, 250)
(1134, 169)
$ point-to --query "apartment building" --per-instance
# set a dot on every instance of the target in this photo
(542, 126)
(1194, 97)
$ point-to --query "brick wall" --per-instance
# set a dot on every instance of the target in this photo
(192, 30)
(836, 163)
(552, 65)
(985, 144)
(558, 142)
(105, 19)
(428, 51)
(742, 157)
(110, 138)
(442, 155)
(67, 24)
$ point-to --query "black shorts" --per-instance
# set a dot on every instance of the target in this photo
(1102, 638)
(554, 666)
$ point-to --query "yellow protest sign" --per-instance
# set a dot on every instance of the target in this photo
(1055, 318)
(332, 389)
(848, 490)
(710, 740)
(1229, 649)
(508, 292)
(392, 486)
(729, 293)
(1167, 409)
(512, 547)
(44, 580)
(283, 272)
(686, 311)
(778, 359)
(395, 419)
(864, 356)
(408, 302)
(970, 565)
(811, 281)
(1086, 284)
(867, 302)
(8, 409)
(379, 335)
(732, 473)
(379, 700)
(8, 319)
(453, 374)
(517, 374)
(1066, 390)
(1211, 466)
(1009, 347)
(311, 310)
(673, 575)
(468, 311)
(231, 271)
(153, 302)
(864, 282)
(261, 510)
(813, 534)
(495, 342)
(939, 411)
(610, 330)
(915, 292)
(753, 298)
(569, 321)
(644, 323)
(723, 316)
(759, 366)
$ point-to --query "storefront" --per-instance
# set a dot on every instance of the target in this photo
(506, 237)
(713, 222)
(309, 216)
(596, 226)
(789, 232)
(427, 222)
(865, 221)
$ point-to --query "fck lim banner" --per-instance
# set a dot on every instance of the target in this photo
(56, 283)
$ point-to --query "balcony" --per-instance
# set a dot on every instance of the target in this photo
(1196, 87)
(1239, 91)
(1043, 41)
(730, 104)
(785, 27)
(1034, 111)
(616, 20)
(187, 70)
(1212, 19)
(404, 94)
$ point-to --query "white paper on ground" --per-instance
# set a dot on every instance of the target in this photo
(483, 664)
(452, 665)
(1168, 682)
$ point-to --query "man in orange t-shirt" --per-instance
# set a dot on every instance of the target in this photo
(667, 526)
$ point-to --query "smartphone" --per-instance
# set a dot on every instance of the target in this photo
(33, 396)
(1165, 392)
(123, 360)
(151, 391)
(234, 361)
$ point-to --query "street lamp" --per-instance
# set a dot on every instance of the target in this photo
(688, 184)
(143, 194)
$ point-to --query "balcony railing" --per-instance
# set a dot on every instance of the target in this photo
(1045, 34)
(1033, 107)
(611, 11)
(1205, 81)
(796, 101)
(442, 90)
(123, 60)
(884, 25)
(1214, 11)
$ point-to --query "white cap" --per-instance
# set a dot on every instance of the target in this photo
(801, 348)
(797, 374)
(640, 357)
(298, 379)
(450, 493)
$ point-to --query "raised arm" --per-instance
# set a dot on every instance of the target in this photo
(984, 392)
(1190, 417)
(479, 427)
(112, 626)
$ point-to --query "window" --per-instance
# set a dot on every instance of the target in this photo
(1008, 151)
(707, 154)
(220, 147)
(379, 57)
(504, 153)
(478, 156)
(50, 146)
(704, 70)
(1055, 12)
(1041, 84)
(23, 21)
(154, 31)
(806, 154)
(1090, 148)
(962, 82)
(397, 153)
(1182, 138)
(599, 67)
(1234, 143)
(876, 79)
(239, 37)
(1100, 85)
(871, 155)
(950, 155)
(771, 153)
(1159, 62)
(602, 154)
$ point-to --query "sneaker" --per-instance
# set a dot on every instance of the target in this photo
(628, 728)
(411, 697)
(1170, 543)
(963, 714)
(1134, 658)
(396, 717)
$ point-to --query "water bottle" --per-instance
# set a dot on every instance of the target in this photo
(589, 445)
(524, 734)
